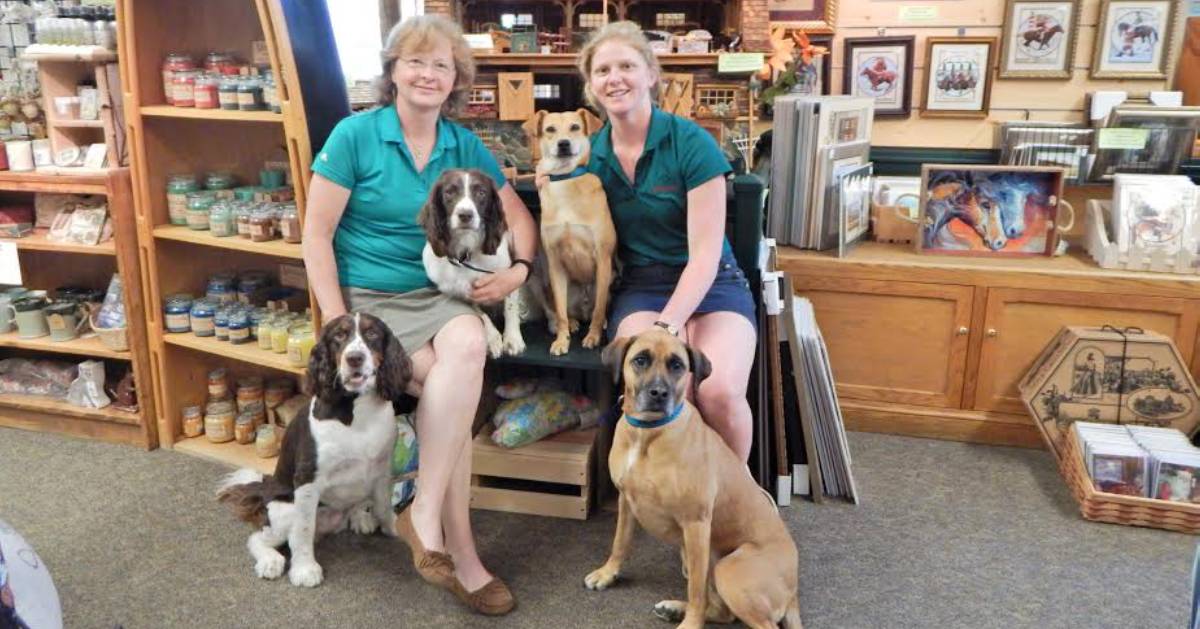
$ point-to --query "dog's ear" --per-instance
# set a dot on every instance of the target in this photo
(591, 123)
(613, 356)
(699, 366)
(321, 380)
(533, 126)
(494, 224)
(434, 221)
(396, 370)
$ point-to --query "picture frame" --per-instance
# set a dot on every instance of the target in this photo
(825, 65)
(881, 67)
(1170, 134)
(1154, 213)
(814, 16)
(1133, 39)
(958, 76)
(854, 206)
(1021, 217)
(1039, 39)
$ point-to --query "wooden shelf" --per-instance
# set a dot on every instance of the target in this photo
(56, 407)
(247, 353)
(230, 453)
(277, 248)
(69, 123)
(170, 111)
(42, 181)
(78, 54)
(37, 242)
(568, 60)
(91, 347)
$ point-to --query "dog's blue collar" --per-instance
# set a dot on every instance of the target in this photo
(655, 423)
(579, 170)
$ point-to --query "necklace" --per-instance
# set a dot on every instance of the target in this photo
(418, 153)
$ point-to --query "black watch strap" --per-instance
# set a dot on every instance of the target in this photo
(528, 267)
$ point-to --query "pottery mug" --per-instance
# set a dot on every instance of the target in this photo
(65, 319)
(30, 315)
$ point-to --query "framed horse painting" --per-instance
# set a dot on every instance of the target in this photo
(1039, 39)
(958, 76)
(880, 67)
(997, 211)
(1133, 39)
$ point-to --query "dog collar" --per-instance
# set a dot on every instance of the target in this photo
(656, 423)
(579, 170)
(463, 263)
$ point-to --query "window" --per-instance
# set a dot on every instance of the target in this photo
(548, 90)
(356, 31)
(508, 20)
(591, 20)
(663, 20)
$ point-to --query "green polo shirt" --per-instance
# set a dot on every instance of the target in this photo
(378, 242)
(650, 214)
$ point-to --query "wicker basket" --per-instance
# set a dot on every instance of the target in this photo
(113, 338)
(1117, 509)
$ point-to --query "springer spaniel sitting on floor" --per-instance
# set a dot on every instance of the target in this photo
(469, 239)
(334, 468)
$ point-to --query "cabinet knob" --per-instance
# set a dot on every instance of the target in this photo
(992, 332)
(963, 330)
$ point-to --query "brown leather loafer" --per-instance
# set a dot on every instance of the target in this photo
(433, 566)
(493, 599)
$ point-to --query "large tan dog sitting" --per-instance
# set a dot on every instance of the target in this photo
(577, 230)
(685, 486)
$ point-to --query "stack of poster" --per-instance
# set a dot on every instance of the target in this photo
(816, 139)
(1139, 460)
(820, 414)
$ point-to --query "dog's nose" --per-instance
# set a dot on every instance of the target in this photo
(464, 217)
(354, 359)
(657, 392)
(564, 145)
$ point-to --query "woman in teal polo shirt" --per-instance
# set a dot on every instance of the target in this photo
(362, 248)
(664, 177)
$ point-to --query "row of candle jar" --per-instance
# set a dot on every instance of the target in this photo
(277, 331)
(192, 88)
(260, 222)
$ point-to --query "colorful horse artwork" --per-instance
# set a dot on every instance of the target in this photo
(988, 211)
(877, 76)
(1038, 36)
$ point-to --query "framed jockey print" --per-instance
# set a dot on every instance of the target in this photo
(1133, 39)
(958, 76)
(882, 68)
(1039, 39)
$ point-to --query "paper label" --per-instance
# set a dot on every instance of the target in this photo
(918, 14)
(479, 41)
(732, 62)
(10, 264)
(1122, 138)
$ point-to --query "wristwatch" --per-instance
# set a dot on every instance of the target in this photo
(668, 327)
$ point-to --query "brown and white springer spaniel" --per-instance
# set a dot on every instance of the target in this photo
(334, 468)
(468, 238)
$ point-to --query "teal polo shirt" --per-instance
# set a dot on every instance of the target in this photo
(378, 242)
(650, 214)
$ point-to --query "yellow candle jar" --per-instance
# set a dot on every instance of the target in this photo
(300, 343)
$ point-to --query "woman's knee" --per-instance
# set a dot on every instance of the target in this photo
(720, 394)
(462, 342)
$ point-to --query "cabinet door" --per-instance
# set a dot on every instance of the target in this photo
(1019, 323)
(901, 342)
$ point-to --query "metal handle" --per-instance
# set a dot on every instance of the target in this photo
(992, 332)
(963, 330)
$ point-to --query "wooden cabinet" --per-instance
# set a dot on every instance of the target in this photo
(934, 346)
(1019, 323)
(903, 342)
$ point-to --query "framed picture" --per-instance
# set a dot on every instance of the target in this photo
(882, 68)
(814, 16)
(1132, 39)
(1039, 39)
(991, 210)
(1167, 139)
(1154, 212)
(854, 204)
(958, 79)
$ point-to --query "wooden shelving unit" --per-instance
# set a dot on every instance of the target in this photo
(47, 264)
(60, 74)
(167, 140)
(569, 60)
(229, 453)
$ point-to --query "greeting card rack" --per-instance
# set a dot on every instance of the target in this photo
(1107, 254)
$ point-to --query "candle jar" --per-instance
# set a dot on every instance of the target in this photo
(218, 383)
(220, 288)
(243, 429)
(193, 421)
(183, 88)
(178, 187)
(279, 333)
(174, 62)
(177, 313)
(201, 319)
(266, 442)
(250, 94)
(205, 92)
(227, 93)
(239, 326)
(221, 322)
(220, 220)
(242, 218)
(198, 205)
(289, 224)
(219, 421)
(278, 390)
(262, 225)
(300, 343)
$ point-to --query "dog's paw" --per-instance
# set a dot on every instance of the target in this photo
(593, 338)
(362, 521)
(495, 344)
(270, 567)
(670, 611)
(601, 578)
(387, 523)
(307, 575)
(514, 344)
(560, 346)
(573, 325)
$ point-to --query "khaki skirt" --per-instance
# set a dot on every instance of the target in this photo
(415, 317)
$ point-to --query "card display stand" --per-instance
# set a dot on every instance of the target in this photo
(1106, 253)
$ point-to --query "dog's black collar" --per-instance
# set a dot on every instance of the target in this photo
(654, 423)
(463, 263)
(579, 170)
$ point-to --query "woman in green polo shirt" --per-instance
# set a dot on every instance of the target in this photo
(664, 177)
(362, 248)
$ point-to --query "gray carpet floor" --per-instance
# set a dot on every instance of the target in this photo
(947, 535)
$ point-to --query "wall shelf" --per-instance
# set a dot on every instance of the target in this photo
(170, 111)
(277, 248)
(247, 353)
(90, 346)
(37, 241)
(231, 453)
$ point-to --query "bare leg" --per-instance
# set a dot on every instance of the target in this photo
(724, 337)
(456, 518)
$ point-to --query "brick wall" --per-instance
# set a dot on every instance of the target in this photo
(756, 31)
(444, 7)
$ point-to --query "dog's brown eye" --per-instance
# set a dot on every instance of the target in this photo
(641, 361)
(575, 127)
(675, 364)
(551, 130)
(371, 334)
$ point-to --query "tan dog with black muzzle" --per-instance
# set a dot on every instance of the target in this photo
(577, 231)
(685, 486)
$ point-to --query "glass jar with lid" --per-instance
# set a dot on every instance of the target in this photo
(205, 92)
(178, 186)
(239, 325)
(301, 340)
(262, 225)
(174, 62)
(201, 318)
(177, 313)
(289, 223)
(198, 205)
(219, 180)
(250, 94)
(220, 219)
(183, 88)
(227, 92)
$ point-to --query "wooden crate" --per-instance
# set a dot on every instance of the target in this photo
(550, 477)
(516, 95)
(677, 95)
(1099, 506)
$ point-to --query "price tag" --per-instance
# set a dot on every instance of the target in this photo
(1122, 138)
(734, 62)
(10, 264)
(918, 14)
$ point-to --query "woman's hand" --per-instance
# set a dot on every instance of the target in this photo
(494, 288)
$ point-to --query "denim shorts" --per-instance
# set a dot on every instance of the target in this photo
(648, 288)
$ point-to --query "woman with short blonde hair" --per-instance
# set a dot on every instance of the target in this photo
(417, 34)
